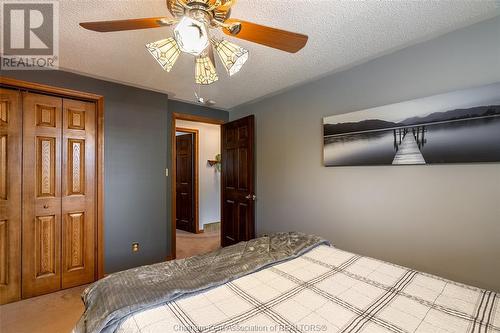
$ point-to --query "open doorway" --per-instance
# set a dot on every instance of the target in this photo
(196, 185)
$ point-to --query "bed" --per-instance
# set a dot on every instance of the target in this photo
(325, 289)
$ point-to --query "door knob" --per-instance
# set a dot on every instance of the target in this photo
(45, 206)
(251, 197)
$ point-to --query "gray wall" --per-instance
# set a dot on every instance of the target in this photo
(137, 152)
(442, 219)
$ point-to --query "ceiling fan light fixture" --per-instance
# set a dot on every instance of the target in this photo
(191, 36)
(233, 57)
(193, 20)
(165, 51)
(205, 72)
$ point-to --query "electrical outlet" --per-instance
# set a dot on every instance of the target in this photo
(135, 247)
(166, 172)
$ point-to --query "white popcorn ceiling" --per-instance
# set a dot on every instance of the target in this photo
(341, 35)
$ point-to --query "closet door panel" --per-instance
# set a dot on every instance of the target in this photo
(78, 194)
(41, 227)
(10, 195)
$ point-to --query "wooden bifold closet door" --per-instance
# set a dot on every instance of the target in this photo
(10, 195)
(78, 193)
(58, 193)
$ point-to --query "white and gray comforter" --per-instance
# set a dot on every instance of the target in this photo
(327, 290)
(108, 302)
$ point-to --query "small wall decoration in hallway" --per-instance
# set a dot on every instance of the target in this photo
(456, 127)
(217, 163)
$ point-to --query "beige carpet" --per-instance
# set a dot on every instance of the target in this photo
(58, 312)
(188, 244)
(53, 313)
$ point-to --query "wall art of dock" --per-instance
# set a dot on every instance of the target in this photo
(407, 143)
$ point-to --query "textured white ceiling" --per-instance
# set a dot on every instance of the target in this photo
(341, 34)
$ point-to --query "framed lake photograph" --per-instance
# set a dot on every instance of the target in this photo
(456, 127)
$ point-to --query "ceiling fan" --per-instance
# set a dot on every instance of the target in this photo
(193, 20)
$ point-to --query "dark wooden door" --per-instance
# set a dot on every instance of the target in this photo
(10, 195)
(184, 183)
(238, 196)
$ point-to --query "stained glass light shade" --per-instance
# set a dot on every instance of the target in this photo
(165, 51)
(233, 57)
(191, 35)
(205, 71)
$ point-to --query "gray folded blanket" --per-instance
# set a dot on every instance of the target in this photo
(109, 301)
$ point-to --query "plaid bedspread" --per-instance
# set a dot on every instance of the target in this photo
(111, 300)
(328, 290)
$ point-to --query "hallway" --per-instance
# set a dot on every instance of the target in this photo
(189, 244)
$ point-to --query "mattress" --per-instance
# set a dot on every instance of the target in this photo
(328, 290)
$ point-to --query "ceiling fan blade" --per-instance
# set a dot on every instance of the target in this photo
(132, 24)
(272, 37)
